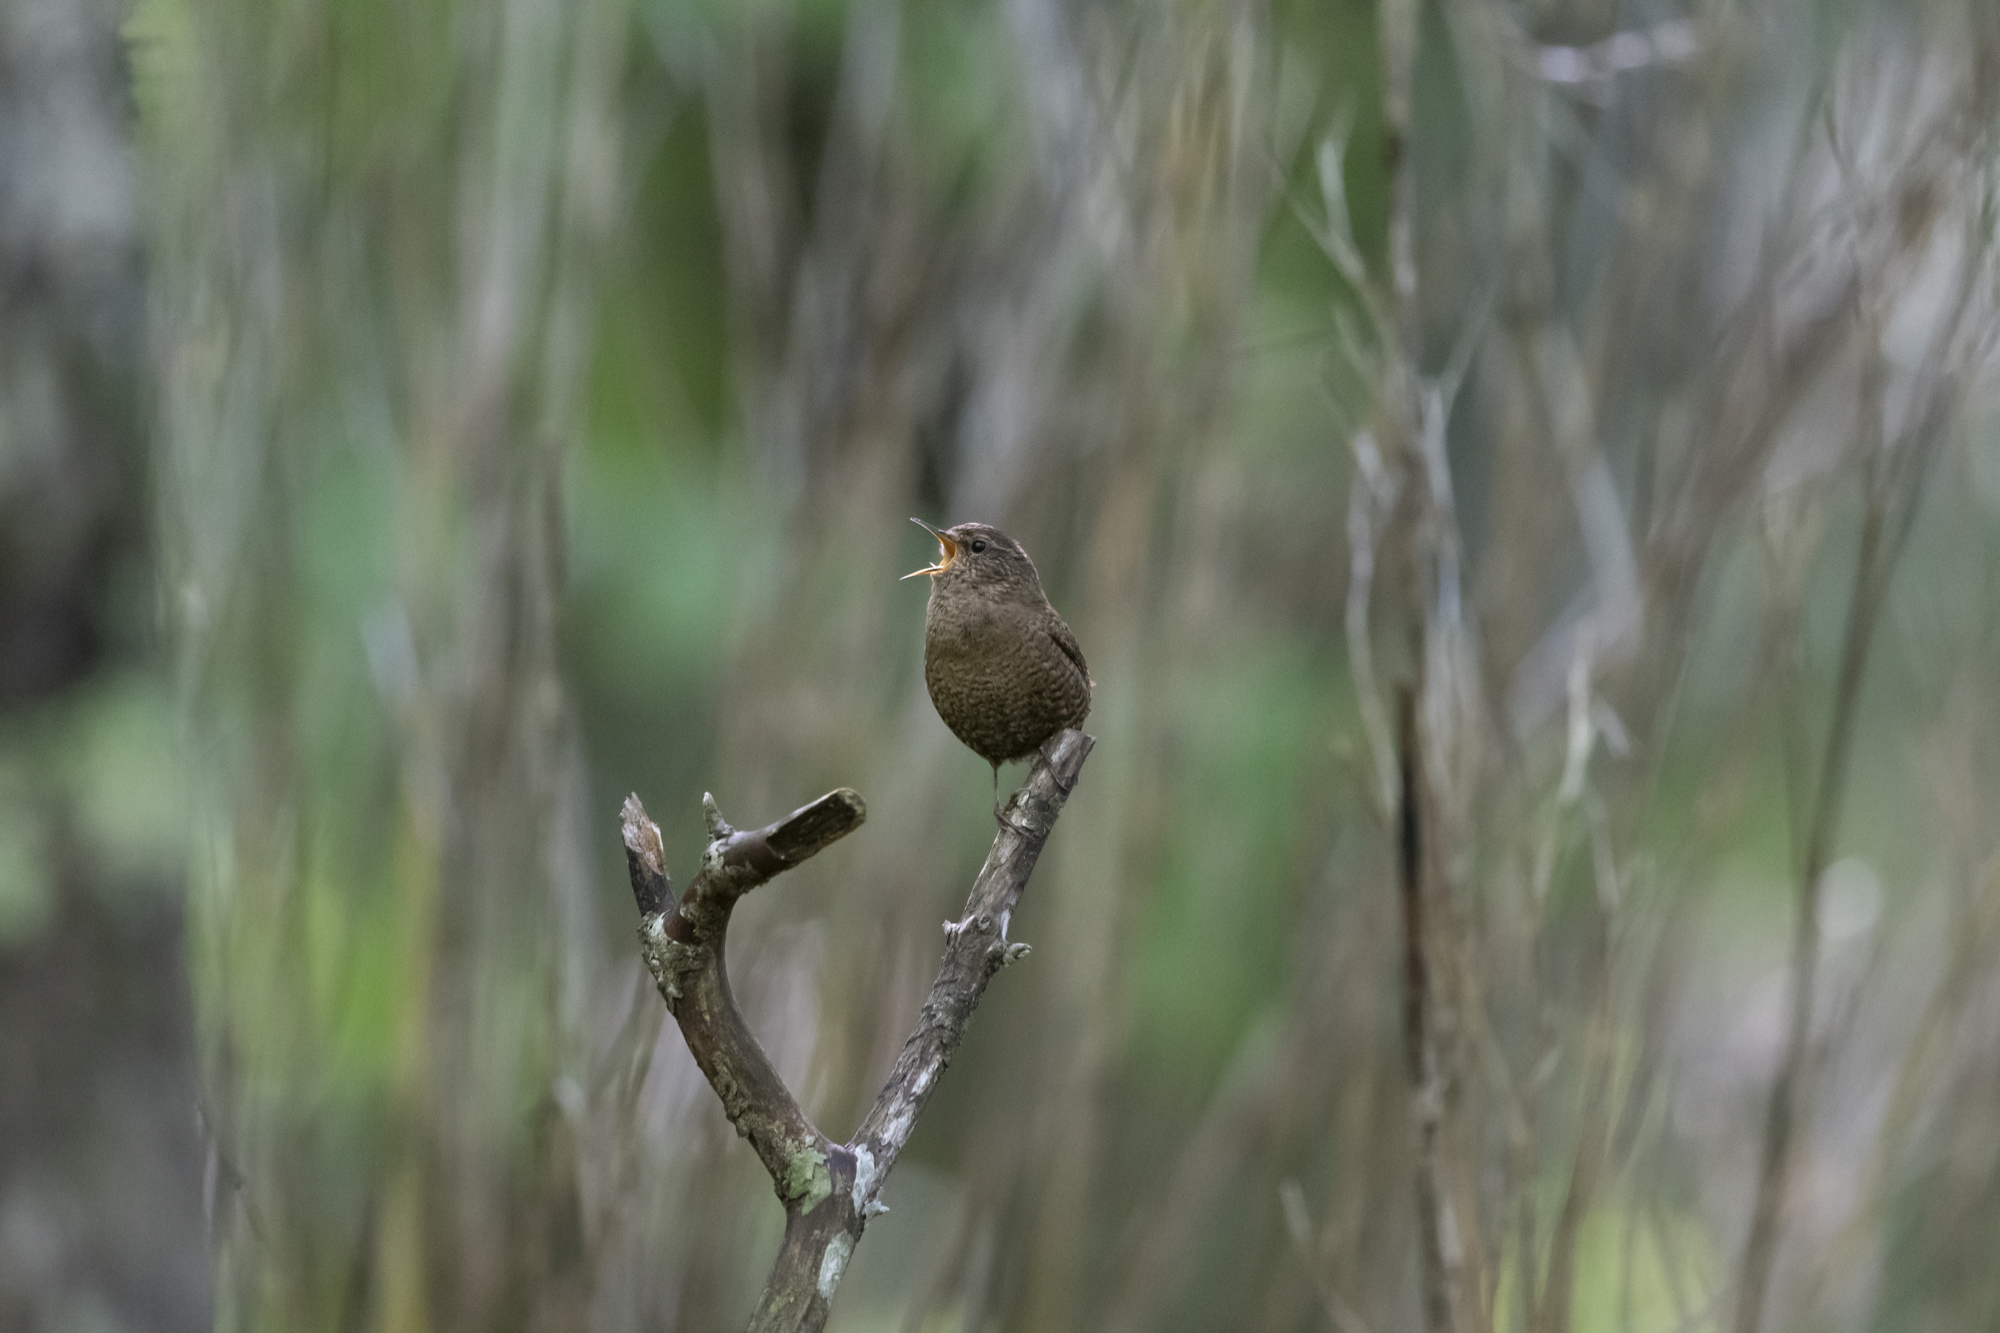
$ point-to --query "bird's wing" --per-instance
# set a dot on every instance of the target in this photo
(1067, 642)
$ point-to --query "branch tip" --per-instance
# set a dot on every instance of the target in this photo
(813, 827)
(646, 858)
(711, 814)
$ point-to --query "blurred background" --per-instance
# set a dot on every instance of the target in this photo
(422, 424)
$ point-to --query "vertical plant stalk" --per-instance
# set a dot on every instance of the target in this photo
(1594, 1110)
(1892, 489)
(1873, 564)
(1398, 33)
(829, 1190)
(1419, 1051)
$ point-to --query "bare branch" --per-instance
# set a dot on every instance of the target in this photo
(683, 947)
(975, 948)
(829, 1190)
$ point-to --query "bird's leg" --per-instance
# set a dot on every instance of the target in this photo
(1000, 811)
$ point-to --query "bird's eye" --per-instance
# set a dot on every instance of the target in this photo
(978, 546)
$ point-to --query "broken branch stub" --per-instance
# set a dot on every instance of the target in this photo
(682, 943)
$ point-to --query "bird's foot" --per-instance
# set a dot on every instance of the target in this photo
(1009, 953)
(1000, 817)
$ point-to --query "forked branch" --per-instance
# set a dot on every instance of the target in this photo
(829, 1190)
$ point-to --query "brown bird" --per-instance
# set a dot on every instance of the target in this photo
(1003, 669)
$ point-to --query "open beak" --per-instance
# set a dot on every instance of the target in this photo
(948, 551)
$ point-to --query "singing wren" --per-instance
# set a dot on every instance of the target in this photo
(1003, 669)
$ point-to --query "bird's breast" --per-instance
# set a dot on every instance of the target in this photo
(961, 625)
(999, 678)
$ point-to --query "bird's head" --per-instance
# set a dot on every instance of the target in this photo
(973, 555)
